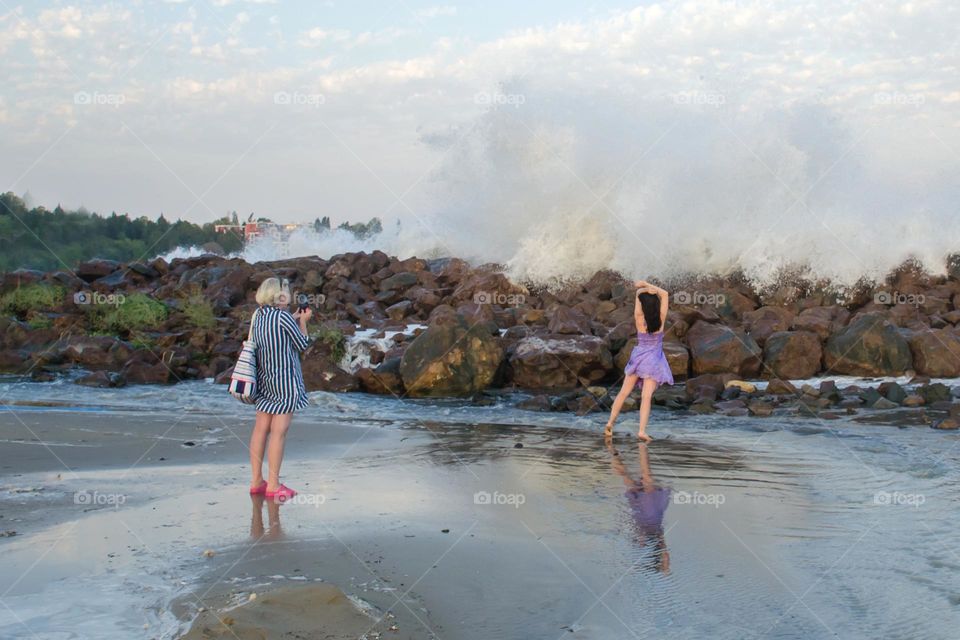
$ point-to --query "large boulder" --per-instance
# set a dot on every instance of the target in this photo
(399, 281)
(708, 386)
(101, 379)
(96, 269)
(678, 357)
(792, 355)
(716, 348)
(15, 361)
(566, 320)
(869, 346)
(765, 321)
(383, 380)
(558, 361)
(321, 373)
(450, 358)
(141, 371)
(936, 353)
(733, 304)
(96, 352)
(823, 321)
(489, 288)
(223, 284)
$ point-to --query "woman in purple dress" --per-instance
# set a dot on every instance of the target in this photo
(647, 367)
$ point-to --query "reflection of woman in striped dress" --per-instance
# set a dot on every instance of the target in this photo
(280, 337)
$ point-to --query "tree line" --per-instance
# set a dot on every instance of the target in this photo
(38, 238)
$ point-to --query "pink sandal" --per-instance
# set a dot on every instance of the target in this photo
(259, 491)
(282, 494)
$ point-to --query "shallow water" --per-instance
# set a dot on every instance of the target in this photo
(780, 528)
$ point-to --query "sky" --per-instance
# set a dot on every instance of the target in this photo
(295, 109)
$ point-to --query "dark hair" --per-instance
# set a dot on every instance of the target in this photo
(650, 305)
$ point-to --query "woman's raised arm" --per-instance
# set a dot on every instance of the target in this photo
(645, 287)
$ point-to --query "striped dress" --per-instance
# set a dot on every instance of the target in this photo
(279, 377)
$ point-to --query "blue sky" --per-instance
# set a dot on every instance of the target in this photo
(508, 113)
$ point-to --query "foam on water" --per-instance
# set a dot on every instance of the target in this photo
(359, 346)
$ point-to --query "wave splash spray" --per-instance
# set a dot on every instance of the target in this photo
(559, 187)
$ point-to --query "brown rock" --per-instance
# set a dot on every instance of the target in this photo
(490, 288)
(936, 353)
(949, 424)
(97, 352)
(384, 380)
(678, 357)
(95, 269)
(822, 321)
(137, 371)
(913, 400)
(564, 320)
(763, 322)
(321, 373)
(397, 312)
(792, 355)
(760, 408)
(14, 361)
(559, 361)
(716, 348)
(781, 387)
(869, 346)
(707, 386)
(101, 379)
(450, 358)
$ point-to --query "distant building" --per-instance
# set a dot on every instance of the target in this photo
(255, 229)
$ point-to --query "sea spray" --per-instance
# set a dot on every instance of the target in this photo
(568, 183)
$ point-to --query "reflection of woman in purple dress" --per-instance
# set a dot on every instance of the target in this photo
(647, 367)
(648, 504)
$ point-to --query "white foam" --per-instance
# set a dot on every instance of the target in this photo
(361, 344)
(583, 178)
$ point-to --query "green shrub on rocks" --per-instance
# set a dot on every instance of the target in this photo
(199, 313)
(136, 312)
(39, 321)
(334, 339)
(29, 298)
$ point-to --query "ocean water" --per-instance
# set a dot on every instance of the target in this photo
(776, 527)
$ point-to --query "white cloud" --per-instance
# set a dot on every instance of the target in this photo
(878, 76)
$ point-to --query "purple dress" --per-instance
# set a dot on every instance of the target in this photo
(647, 360)
(649, 507)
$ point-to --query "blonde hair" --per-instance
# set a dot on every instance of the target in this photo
(274, 291)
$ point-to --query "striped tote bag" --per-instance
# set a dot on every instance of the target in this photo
(243, 380)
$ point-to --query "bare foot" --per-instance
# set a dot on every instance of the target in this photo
(644, 436)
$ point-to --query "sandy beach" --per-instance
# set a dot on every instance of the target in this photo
(455, 525)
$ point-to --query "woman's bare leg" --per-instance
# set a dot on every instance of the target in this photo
(628, 384)
(278, 439)
(646, 399)
(258, 442)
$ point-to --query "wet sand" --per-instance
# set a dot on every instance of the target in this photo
(315, 611)
(445, 528)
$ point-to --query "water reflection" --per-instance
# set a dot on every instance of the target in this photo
(648, 505)
(273, 530)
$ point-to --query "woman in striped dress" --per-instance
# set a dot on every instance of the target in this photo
(280, 337)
